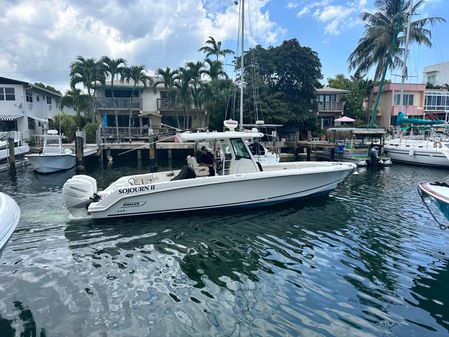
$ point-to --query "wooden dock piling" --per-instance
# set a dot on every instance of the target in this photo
(11, 151)
(79, 151)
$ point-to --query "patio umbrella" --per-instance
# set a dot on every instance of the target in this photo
(345, 119)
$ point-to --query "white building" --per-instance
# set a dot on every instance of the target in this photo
(26, 107)
(133, 111)
(437, 74)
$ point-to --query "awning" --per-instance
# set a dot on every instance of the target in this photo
(345, 119)
(42, 120)
(9, 117)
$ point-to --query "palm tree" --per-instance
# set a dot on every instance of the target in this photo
(137, 74)
(75, 99)
(89, 73)
(382, 44)
(213, 47)
(183, 79)
(195, 69)
(215, 70)
(167, 77)
(114, 68)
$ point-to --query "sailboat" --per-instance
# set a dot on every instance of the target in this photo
(430, 151)
(262, 154)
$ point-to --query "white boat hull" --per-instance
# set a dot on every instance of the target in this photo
(51, 163)
(418, 157)
(18, 150)
(236, 190)
(9, 217)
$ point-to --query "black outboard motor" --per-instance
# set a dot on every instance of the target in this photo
(374, 156)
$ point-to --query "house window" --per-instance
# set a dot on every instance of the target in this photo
(407, 100)
(431, 79)
(37, 98)
(29, 96)
(31, 124)
(7, 94)
(48, 100)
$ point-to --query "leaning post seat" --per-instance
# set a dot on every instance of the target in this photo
(200, 171)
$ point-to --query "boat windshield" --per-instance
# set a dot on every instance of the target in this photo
(240, 149)
(53, 142)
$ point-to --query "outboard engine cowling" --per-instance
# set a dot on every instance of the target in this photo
(77, 192)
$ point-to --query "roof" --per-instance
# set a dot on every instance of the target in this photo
(186, 136)
(359, 131)
(5, 80)
(331, 90)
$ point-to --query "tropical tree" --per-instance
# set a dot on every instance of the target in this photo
(89, 73)
(195, 69)
(215, 70)
(383, 42)
(114, 68)
(213, 47)
(75, 99)
(138, 75)
(183, 80)
(358, 90)
(167, 77)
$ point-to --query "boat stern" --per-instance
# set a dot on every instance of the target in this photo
(78, 192)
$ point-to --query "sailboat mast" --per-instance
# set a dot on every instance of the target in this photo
(404, 68)
(242, 64)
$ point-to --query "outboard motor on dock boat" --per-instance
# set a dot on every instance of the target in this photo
(374, 155)
(78, 192)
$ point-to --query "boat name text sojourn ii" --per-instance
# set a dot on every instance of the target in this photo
(135, 189)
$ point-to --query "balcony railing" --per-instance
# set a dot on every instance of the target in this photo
(110, 133)
(119, 103)
(330, 106)
(166, 104)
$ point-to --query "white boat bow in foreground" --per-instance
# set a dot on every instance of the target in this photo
(9, 217)
(240, 181)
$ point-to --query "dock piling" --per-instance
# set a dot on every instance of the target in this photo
(11, 151)
(79, 144)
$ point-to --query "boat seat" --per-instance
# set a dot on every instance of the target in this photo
(200, 171)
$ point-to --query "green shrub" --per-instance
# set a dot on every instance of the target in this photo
(91, 132)
(66, 123)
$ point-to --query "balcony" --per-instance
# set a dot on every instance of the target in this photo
(118, 103)
(166, 104)
(330, 106)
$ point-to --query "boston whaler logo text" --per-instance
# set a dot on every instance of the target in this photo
(135, 189)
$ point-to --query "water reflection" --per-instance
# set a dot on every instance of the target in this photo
(24, 323)
(362, 261)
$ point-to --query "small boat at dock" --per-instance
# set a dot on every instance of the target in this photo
(54, 156)
(240, 181)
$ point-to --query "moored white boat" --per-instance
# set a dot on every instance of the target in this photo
(418, 151)
(20, 147)
(9, 217)
(54, 157)
(241, 181)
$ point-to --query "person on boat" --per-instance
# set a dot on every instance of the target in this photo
(207, 159)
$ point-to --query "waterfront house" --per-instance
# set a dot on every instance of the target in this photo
(390, 102)
(330, 105)
(133, 112)
(26, 107)
(418, 102)
(437, 74)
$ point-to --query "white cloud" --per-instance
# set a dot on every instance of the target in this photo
(40, 39)
(336, 18)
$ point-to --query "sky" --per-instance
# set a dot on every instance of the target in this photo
(41, 38)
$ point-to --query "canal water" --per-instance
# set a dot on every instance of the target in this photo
(368, 260)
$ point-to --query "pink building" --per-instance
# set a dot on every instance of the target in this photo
(390, 102)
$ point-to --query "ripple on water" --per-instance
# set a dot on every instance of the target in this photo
(365, 261)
